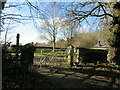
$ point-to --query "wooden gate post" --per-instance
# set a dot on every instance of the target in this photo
(77, 57)
(71, 56)
(17, 47)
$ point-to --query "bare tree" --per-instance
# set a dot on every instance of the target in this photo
(70, 30)
(81, 11)
(103, 33)
(49, 23)
(2, 5)
(10, 19)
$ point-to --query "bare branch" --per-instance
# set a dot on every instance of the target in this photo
(102, 15)
(81, 15)
(15, 5)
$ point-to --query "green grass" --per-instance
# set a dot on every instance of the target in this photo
(36, 54)
(50, 53)
(99, 48)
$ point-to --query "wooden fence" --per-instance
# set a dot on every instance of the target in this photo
(69, 56)
(48, 59)
(74, 56)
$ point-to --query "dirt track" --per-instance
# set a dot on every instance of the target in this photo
(78, 78)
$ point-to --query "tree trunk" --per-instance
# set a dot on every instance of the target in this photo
(54, 43)
(53, 46)
(114, 42)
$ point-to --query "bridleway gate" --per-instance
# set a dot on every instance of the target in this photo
(66, 57)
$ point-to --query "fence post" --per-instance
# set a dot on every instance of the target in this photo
(17, 47)
(71, 56)
(77, 56)
(41, 52)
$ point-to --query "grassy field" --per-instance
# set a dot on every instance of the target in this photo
(49, 53)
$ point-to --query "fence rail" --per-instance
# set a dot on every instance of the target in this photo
(51, 60)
